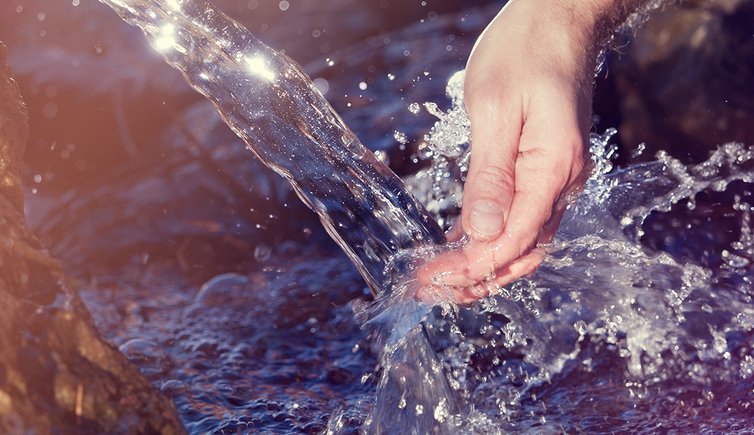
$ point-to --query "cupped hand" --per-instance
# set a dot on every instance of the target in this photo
(528, 91)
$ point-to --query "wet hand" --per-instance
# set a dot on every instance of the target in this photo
(528, 92)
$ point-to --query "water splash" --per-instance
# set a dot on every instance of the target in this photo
(269, 102)
(440, 186)
(667, 319)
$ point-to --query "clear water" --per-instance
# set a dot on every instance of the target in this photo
(269, 102)
(639, 320)
(666, 317)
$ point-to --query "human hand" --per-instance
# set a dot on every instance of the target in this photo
(528, 92)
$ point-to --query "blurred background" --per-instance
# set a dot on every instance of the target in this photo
(135, 183)
(105, 108)
(107, 111)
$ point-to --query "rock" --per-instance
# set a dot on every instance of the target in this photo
(56, 372)
(684, 82)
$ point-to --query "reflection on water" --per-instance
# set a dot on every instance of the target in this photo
(640, 319)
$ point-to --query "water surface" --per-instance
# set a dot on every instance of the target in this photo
(638, 321)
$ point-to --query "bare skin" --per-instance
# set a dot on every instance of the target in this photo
(528, 92)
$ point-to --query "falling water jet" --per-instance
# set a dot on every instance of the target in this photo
(598, 281)
(270, 103)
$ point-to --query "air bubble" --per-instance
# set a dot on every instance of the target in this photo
(262, 253)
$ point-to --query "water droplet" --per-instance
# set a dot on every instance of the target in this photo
(400, 137)
(322, 85)
(639, 150)
(735, 261)
(747, 367)
(262, 253)
(382, 156)
(441, 410)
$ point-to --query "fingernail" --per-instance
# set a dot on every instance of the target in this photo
(486, 219)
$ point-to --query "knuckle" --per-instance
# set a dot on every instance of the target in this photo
(485, 96)
(558, 174)
(493, 178)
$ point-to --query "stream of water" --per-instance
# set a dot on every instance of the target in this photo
(614, 305)
(268, 101)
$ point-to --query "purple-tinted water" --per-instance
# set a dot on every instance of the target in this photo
(226, 293)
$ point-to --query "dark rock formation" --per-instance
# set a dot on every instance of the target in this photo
(685, 82)
(56, 372)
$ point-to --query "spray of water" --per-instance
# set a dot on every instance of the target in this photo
(663, 317)
(666, 317)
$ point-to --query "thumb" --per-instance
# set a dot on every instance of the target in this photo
(489, 187)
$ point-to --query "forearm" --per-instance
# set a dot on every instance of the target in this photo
(598, 18)
(592, 21)
(612, 14)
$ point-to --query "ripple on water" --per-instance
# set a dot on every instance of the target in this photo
(610, 334)
(149, 356)
(221, 290)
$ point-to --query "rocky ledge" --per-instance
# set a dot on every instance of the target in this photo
(57, 374)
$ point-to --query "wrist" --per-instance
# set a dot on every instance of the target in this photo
(575, 23)
(592, 20)
(598, 19)
(570, 29)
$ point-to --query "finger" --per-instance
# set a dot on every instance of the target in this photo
(455, 232)
(488, 191)
(477, 261)
(530, 210)
(447, 269)
(520, 268)
(541, 178)
(433, 294)
(467, 295)
(551, 227)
